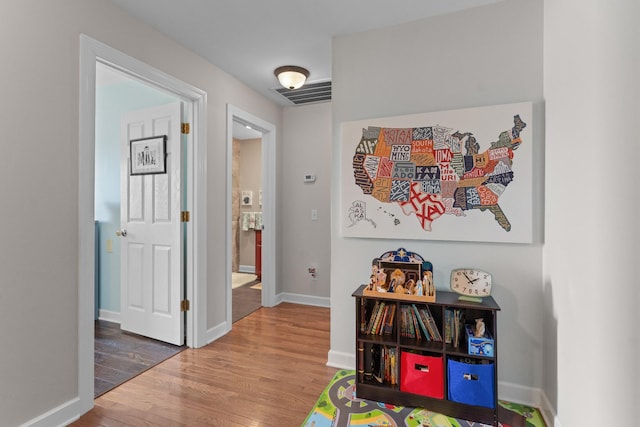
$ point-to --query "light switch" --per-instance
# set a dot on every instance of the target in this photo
(314, 214)
(109, 245)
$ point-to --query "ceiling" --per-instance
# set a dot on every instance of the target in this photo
(250, 38)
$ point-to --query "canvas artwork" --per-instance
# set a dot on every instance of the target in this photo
(462, 175)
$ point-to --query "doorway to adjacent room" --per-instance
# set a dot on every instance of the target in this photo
(246, 221)
(91, 53)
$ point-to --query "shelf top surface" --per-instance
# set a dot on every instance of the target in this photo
(442, 298)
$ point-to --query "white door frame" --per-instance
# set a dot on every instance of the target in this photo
(92, 51)
(268, 204)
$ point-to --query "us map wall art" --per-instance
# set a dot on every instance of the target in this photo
(462, 175)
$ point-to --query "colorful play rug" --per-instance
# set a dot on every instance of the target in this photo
(337, 406)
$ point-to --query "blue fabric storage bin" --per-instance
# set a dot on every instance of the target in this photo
(471, 384)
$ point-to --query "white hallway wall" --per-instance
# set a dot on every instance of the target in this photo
(39, 251)
(484, 56)
(305, 243)
(591, 257)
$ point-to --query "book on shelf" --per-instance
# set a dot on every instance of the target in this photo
(416, 327)
(392, 366)
(407, 323)
(376, 318)
(433, 328)
(371, 318)
(375, 314)
(388, 325)
(424, 317)
(419, 323)
(408, 329)
(384, 364)
(382, 310)
(381, 319)
(453, 323)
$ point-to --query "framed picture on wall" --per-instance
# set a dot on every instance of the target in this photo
(148, 155)
(246, 198)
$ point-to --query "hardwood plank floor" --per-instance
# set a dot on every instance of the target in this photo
(268, 371)
(245, 301)
(120, 356)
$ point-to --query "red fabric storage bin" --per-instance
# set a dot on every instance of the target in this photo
(422, 375)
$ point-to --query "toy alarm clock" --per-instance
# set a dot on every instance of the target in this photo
(472, 284)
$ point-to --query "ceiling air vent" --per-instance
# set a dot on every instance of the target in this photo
(308, 94)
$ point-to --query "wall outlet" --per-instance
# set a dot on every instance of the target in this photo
(313, 273)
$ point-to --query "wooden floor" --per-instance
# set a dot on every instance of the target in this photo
(268, 371)
(120, 356)
(245, 301)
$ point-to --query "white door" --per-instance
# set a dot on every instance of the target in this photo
(151, 269)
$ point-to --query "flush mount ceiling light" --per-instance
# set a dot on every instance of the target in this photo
(291, 77)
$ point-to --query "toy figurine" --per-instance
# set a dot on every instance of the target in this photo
(392, 285)
(373, 279)
(427, 282)
(419, 289)
(382, 279)
(410, 287)
(397, 279)
(480, 328)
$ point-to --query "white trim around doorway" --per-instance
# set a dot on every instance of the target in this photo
(92, 51)
(269, 232)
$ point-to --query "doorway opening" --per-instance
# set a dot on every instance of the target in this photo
(263, 201)
(92, 52)
(120, 354)
(246, 221)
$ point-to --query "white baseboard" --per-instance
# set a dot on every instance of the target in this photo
(519, 394)
(529, 396)
(341, 360)
(109, 316)
(303, 299)
(60, 416)
(549, 412)
(247, 269)
(217, 332)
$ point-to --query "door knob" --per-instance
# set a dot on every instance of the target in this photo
(122, 233)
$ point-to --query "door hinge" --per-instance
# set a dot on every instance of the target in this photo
(185, 128)
(185, 216)
(184, 305)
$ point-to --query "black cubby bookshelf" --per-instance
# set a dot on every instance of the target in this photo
(468, 381)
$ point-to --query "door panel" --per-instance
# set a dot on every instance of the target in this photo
(151, 250)
(161, 286)
(135, 275)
